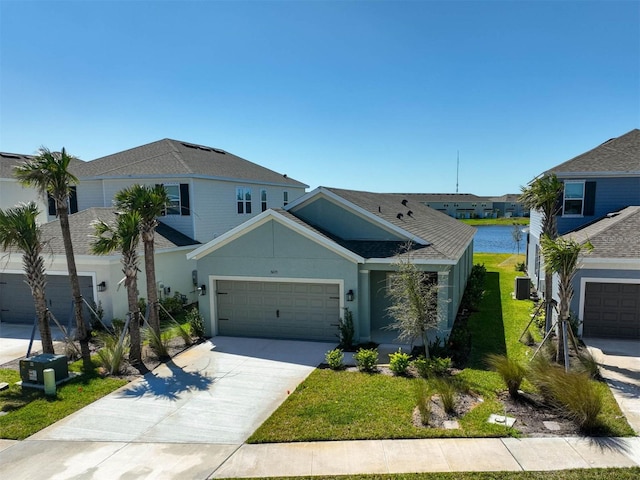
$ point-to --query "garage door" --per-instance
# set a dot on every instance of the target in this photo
(612, 310)
(308, 311)
(16, 302)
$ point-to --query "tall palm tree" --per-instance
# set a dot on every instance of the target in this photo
(124, 235)
(150, 203)
(19, 229)
(561, 257)
(49, 173)
(543, 195)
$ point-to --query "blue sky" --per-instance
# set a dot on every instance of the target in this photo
(368, 95)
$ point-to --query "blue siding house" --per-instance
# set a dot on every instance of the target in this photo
(599, 186)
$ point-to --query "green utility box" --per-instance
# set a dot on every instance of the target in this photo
(31, 369)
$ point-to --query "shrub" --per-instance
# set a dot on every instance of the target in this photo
(399, 362)
(171, 306)
(511, 371)
(117, 325)
(160, 345)
(423, 399)
(112, 352)
(579, 397)
(447, 390)
(432, 367)
(588, 364)
(437, 348)
(521, 267)
(196, 322)
(475, 287)
(528, 338)
(366, 359)
(334, 359)
(347, 332)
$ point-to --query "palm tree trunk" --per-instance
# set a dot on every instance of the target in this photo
(36, 279)
(81, 328)
(150, 273)
(135, 350)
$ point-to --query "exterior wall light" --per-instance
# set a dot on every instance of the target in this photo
(102, 286)
(350, 296)
(203, 290)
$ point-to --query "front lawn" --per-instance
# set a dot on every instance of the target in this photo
(29, 411)
(341, 405)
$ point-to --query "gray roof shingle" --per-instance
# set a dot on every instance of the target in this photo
(447, 237)
(614, 236)
(175, 158)
(8, 161)
(82, 232)
(617, 155)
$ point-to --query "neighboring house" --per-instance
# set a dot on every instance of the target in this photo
(509, 205)
(211, 190)
(607, 283)
(456, 205)
(290, 273)
(99, 276)
(11, 192)
(600, 182)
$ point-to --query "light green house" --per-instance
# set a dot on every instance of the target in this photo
(292, 272)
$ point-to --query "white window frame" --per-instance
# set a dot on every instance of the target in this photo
(581, 199)
(263, 199)
(285, 198)
(243, 200)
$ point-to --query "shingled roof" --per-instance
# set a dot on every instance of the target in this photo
(8, 161)
(617, 155)
(446, 238)
(82, 232)
(175, 158)
(615, 236)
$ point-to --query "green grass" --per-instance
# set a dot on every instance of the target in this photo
(578, 474)
(331, 405)
(29, 411)
(496, 221)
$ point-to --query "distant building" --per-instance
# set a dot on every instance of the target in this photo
(467, 205)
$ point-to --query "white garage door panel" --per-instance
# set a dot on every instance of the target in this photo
(612, 310)
(278, 309)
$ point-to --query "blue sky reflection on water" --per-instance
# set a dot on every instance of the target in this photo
(498, 239)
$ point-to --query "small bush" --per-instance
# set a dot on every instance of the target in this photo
(366, 359)
(579, 397)
(432, 367)
(171, 306)
(589, 365)
(511, 371)
(475, 287)
(447, 390)
(521, 267)
(438, 348)
(347, 331)
(423, 399)
(335, 359)
(528, 338)
(540, 373)
(160, 345)
(399, 362)
(112, 353)
(196, 322)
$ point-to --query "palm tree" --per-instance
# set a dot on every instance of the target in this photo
(124, 235)
(19, 229)
(543, 195)
(561, 257)
(150, 203)
(49, 173)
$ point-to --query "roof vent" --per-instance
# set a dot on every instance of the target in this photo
(399, 216)
(410, 213)
(217, 150)
(9, 155)
(190, 146)
(404, 202)
(379, 209)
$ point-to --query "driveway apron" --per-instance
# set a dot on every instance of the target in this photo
(217, 392)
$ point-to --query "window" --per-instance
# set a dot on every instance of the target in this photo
(243, 197)
(573, 198)
(263, 199)
(178, 199)
(285, 198)
(72, 202)
(446, 205)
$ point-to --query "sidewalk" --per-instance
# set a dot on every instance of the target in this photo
(117, 460)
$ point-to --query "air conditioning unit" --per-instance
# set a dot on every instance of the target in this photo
(522, 288)
(32, 368)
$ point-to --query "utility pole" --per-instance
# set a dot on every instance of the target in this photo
(457, 171)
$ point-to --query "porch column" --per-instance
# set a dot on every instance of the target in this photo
(364, 307)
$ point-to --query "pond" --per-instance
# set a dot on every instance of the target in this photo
(498, 239)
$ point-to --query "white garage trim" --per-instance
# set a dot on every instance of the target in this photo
(213, 297)
(583, 290)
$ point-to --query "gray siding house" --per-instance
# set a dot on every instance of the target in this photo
(292, 272)
(598, 186)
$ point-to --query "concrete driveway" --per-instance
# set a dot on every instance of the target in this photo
(218, 392)
(14, 340)
(620, 366)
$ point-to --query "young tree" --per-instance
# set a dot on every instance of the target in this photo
(19, 229)
(124, 235)
(414, 301)
(516, 234)
(49, 173)
(561, 257)
(149, 203)
(543, 194)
